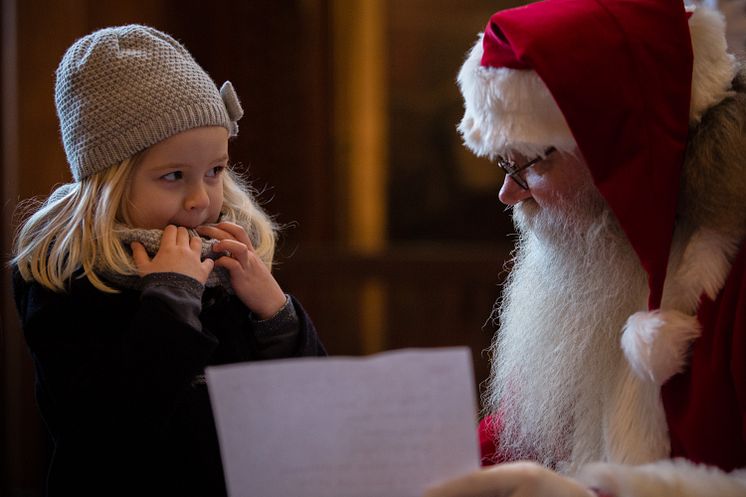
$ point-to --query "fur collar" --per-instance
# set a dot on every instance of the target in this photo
(656, 345)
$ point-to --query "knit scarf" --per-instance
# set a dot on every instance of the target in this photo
(151, 240)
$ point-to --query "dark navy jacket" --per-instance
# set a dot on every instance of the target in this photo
(119, 379)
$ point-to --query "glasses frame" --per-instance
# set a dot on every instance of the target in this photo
(512, 169)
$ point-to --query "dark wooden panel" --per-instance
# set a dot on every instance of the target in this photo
(434, 295)
(276, 54)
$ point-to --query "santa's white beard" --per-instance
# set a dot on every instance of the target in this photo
(556, 356)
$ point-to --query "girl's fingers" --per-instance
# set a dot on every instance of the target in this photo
(182, 236)
(214, 232)
(237, 232)
(195, 243)
(233, 247)
(207, 265)
(139, 254)
(169, 235)
(228, 263)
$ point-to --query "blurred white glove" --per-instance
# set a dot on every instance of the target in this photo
(677, 477)
(518, 479)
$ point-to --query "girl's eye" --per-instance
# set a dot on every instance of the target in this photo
(215, 171)
(173, 176)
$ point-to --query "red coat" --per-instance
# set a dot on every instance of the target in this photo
(706, 404)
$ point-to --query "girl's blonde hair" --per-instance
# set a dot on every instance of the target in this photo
(76, 228)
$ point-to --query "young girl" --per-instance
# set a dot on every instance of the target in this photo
(152, 265)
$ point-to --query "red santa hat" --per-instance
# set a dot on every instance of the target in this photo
(620, 81)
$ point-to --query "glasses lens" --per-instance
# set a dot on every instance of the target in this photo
(506, 165)
(520, 181)
(512, 170)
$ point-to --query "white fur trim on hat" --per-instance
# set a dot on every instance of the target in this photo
(507, 108)
(513, 109)
(679, 477)
(656, 343)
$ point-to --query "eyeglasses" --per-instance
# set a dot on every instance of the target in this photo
(513, 170)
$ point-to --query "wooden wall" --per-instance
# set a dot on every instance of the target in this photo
(396, 238)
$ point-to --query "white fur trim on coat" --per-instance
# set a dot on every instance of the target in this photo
(703, 269)
(655, 343)
(513, 109)
(635, 428)
(679, 478)
(714, 68)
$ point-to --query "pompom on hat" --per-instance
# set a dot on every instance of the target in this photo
(122, 89)
(620, 81)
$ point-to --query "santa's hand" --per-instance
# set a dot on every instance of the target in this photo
(518, 479)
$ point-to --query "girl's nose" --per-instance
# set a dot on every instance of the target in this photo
(511, 193)
(197, 198)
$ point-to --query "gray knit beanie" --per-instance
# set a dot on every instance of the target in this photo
(120, 90)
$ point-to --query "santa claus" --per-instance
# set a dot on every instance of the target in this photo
(619, 367)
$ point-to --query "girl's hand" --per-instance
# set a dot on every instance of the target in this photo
(251, 279)
(178, 253)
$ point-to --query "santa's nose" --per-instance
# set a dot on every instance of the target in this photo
(511, 193)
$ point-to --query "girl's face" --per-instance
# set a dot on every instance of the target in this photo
(180, 180)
